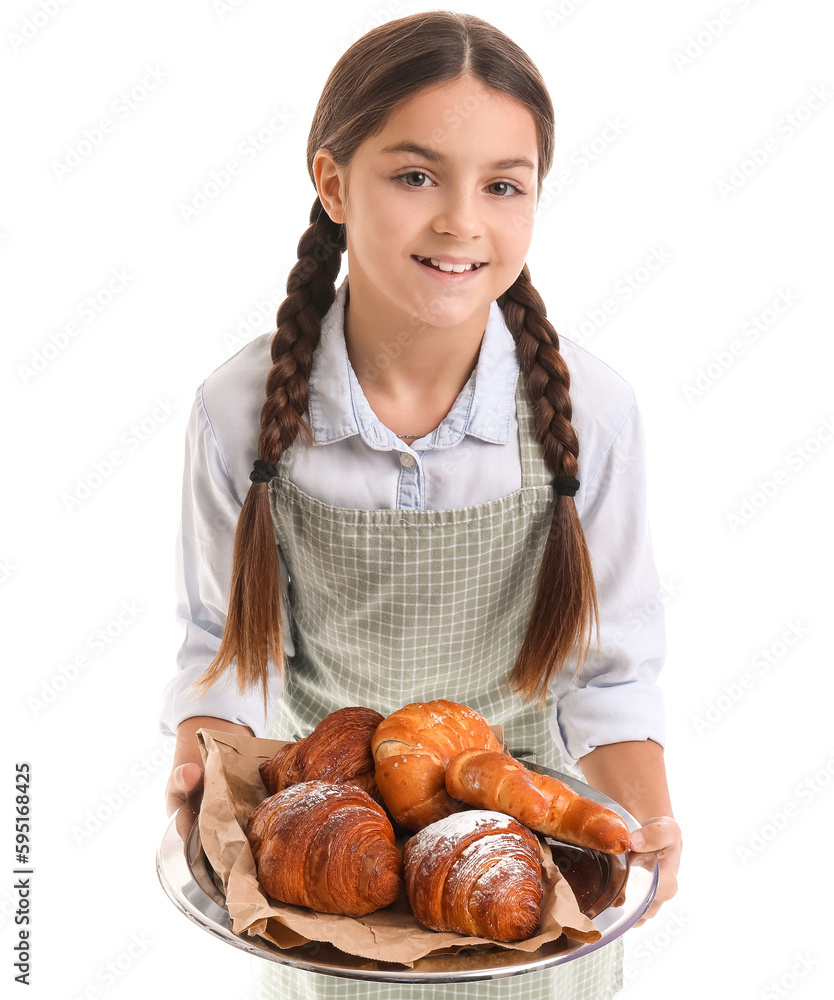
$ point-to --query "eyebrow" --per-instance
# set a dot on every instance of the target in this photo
(435, 157)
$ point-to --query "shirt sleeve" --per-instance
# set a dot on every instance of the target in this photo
(205, 541)
(616, 698)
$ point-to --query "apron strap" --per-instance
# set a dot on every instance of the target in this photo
(534, 469)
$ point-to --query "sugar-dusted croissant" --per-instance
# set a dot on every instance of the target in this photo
(412, 748)
(338, 750)
(476, 872)
(491, 780)
(326, 846)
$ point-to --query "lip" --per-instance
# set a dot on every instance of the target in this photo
(447, 259)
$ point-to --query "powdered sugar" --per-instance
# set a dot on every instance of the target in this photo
(507, 857)
(503, 841)
(315, 793)
(454, 828)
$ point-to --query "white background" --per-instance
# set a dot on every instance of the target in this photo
(750, 767)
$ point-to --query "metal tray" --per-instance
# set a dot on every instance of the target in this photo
(597, 879)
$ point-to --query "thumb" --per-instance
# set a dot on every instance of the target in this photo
(656, 834)
(185, 780)
(191, 777)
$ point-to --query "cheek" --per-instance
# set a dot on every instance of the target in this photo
(519, 228)
(380, 221)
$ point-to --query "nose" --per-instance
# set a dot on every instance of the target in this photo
(458, 215)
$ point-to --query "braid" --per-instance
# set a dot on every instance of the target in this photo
(311, 289)
(253, 633)
(565, 606)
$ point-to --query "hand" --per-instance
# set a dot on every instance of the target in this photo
(184, 791)
(183, 795)
(663, 835)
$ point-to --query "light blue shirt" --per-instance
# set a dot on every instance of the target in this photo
(471, 457)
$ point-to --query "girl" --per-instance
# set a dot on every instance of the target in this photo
(455, 494)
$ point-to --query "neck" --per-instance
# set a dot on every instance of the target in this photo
(410, 370)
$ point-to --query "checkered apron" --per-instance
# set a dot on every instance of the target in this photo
(396, 606)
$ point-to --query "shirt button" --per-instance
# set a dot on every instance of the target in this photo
(407, 461)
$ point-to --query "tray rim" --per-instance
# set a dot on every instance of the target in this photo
(174, 858)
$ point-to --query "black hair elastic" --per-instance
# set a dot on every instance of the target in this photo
(263, 472)
(565, 486)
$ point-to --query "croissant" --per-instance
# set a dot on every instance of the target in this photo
(412, 748)
(326, 846)
(491, 780)
(476, 872)
(338, 750)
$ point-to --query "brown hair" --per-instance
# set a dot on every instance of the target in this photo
(384, 67)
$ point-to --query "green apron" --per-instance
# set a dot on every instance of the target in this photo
(396, 606)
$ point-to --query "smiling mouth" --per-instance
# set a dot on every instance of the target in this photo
(438, 265)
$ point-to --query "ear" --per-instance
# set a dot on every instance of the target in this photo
(331, 184)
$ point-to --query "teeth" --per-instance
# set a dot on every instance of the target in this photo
(442, 266)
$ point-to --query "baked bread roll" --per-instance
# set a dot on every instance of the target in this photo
(476, 873)
(412, 748)
(326, 846)
(338, 750)
(491, 780)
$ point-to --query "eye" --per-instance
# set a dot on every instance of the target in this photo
(411, 174)
(508, 188)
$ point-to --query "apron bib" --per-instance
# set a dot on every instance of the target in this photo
(391, 607)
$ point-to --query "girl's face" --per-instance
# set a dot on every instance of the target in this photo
(452, 176)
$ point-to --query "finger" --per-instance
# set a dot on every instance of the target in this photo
(185, 781)
(651, 912)
(666, 888)
(192, 777)
(187, 816)
(656, 834)
(185, 793)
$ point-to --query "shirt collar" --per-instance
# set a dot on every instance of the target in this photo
(338, 409)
